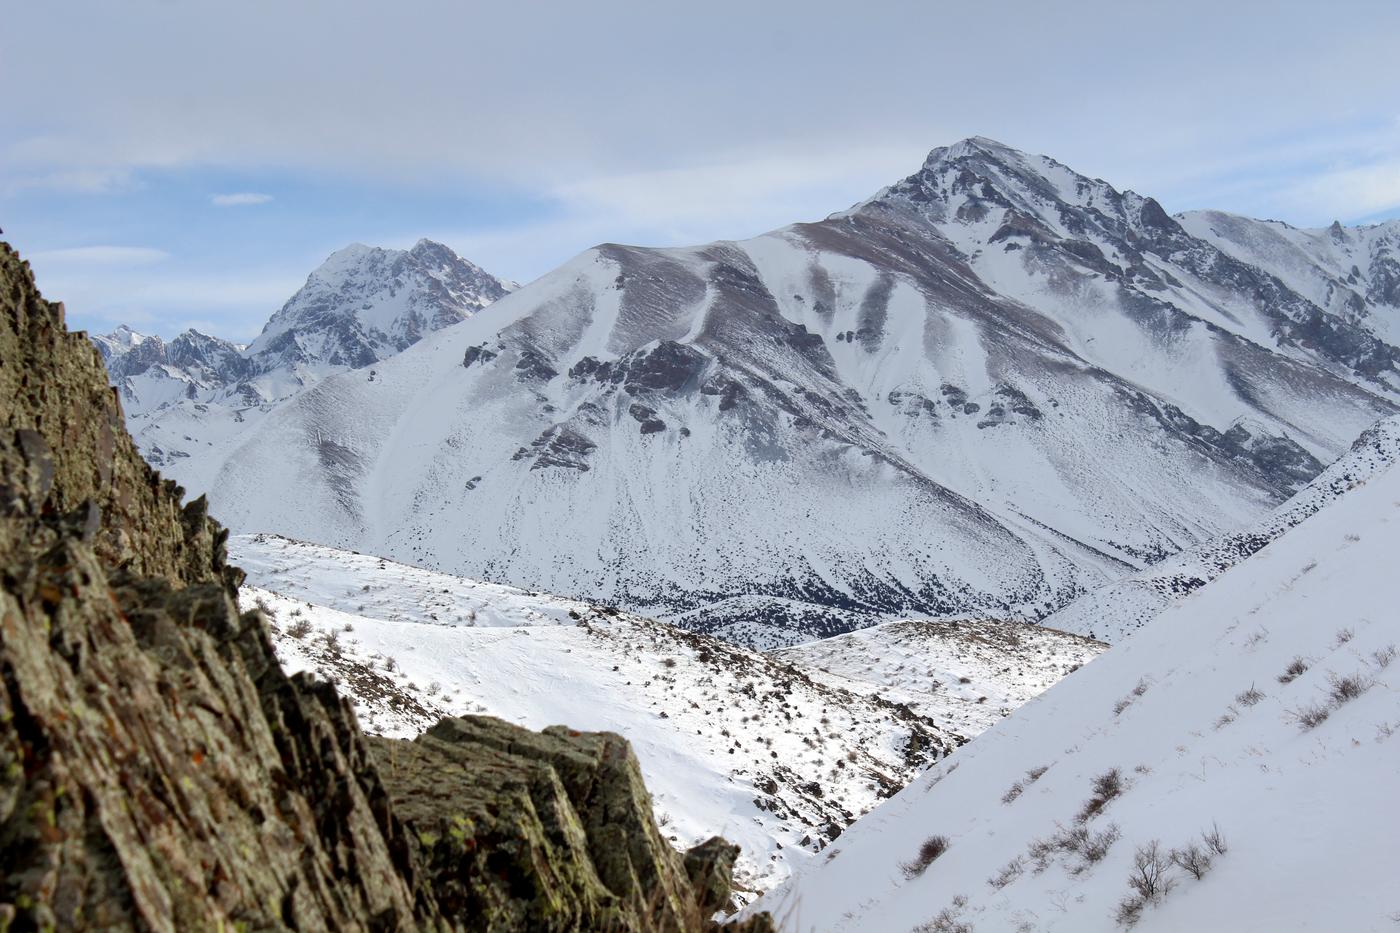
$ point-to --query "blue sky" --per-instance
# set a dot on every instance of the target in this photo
(522, 133)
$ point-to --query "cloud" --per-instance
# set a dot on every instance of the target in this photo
(240, 199)
(99, 256)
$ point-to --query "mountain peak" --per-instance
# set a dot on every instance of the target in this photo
(972, 146)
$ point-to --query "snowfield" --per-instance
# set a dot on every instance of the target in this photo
(1251, 727)
(775, 754)
(964, 675)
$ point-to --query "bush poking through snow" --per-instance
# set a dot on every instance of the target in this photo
(1106, 787)
(1345, 689)
(1128, 700)
(300, 628)
(1013, 792)
(1008, 873)
(1130, 910)
(1312, 716)
(1151, 879)
(1250, 696)
(1295, 669)
(933, 847)
(1034, 774)
(1344, 635)
(946, 922)
(1382, 657)
(1214, 840)
(1192, 859)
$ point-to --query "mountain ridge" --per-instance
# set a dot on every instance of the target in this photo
(992, 363)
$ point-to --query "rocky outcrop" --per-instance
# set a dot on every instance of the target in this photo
(545, 830)
(158, 770)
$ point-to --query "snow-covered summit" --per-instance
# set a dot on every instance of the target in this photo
(188, 400)
(364, 304)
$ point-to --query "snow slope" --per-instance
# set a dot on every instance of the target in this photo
(1119, 608)
(777, 755)
(989, 389)
(1208, 719)
(963, 674)
(1351, 272)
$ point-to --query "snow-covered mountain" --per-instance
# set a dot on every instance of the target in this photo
(1123, 606)
(990, 388)
(1353, 273)
(1228, 767)
(189, 401)
(779, 754)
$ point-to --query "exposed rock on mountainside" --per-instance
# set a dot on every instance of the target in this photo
(990, 388)
(157, 768)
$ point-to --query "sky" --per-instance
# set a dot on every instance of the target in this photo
(186, 163)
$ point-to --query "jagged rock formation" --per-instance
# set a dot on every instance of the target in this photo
(158, 770)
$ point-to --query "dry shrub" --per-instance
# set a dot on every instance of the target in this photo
(933, 847)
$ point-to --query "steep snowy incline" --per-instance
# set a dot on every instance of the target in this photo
(1117, 609)
(1251, 730)
(992, 388)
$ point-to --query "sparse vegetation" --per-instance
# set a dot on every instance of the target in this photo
(1344, 635)
(1106, 787)
(946, 922)
(300, 628)
(1345, 689)
(1008, 873)
(1017, 788)
(1382, 657)
(1311, 716)
(933, 847)
(1193, 859)
(1214, 840)
(1151, 878)
(1249, 697)
(1295, 669)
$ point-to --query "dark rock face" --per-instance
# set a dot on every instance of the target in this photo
(158, 770)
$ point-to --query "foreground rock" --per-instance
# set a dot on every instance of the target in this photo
(159, 770)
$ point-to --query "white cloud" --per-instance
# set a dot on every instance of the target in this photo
(99, 256)
(240, 199)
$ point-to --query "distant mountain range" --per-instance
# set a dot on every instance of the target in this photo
(986, 390)
(362, 305)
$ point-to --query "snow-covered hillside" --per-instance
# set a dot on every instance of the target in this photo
(1351, 272)
(987, 390)
(777, 755)
(189, 401)
(1230, 767)
(964, 674)
(1119, 608)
